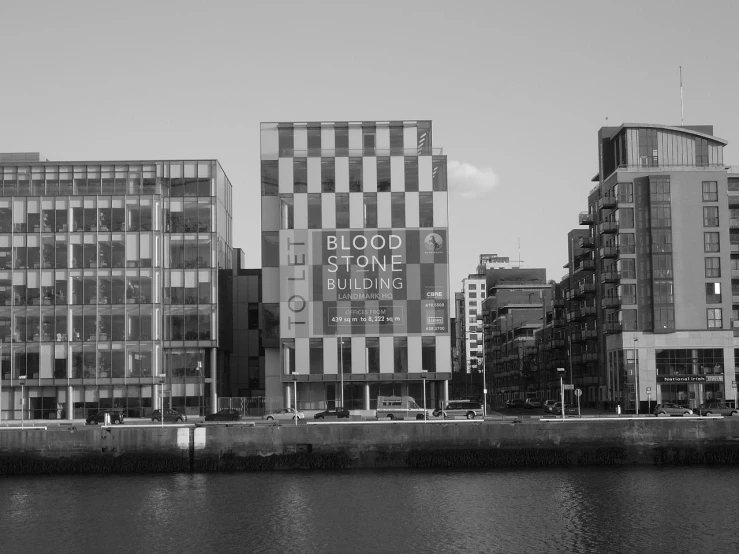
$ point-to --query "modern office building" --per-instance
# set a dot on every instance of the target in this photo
(109, 285)
(354, 263)
(665, 254)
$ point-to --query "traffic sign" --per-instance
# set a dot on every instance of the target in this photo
(578, 392)
(569, 387)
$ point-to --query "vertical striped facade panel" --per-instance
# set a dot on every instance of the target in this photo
(397, 174)
(411, 209)
(285, 182)
(341, 169)
(369, 174)
(314, 174)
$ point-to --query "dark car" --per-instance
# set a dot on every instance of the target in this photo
(169, 415)
(670, 409)
(716, 408)
(116, 417)
(514, 403)
(224, 415)
(569, 409)
(338, 413)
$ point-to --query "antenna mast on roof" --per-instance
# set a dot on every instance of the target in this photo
(681, 95)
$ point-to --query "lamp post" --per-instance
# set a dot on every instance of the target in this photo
(636, 374)
(341, 368)
(423, 378)
(162, 380)
(295, 395)
(202, 387)
(561, 372)
(22, 379)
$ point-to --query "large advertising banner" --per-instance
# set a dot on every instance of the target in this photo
(368, 282)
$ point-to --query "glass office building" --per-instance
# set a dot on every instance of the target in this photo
(355, 263)
(109, 285)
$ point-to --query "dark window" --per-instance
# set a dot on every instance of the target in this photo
(355, 175)
(701, 152)
(314, 141)
(411, 173)
(286, 141)
(270, 178)
(287, 212)
(426, 209)
(626, 218)
(314, 211)
(659, 189)
(710, 191)
(270, 249)
(648, 148)
(300, 175)
(661, 215)
(626, 243)
(661, 240)
(396, 140)
(344, 354)
(400, 354)
(370, 210)
(438, 173)
(373, 354)
(383, 174)
(428, 353)
(625, 192)
(368, 140)
(328, 175)
(424, 138)
(341, 140)
(713, 293)
(342, 210)
(397, 209)
(316, 356)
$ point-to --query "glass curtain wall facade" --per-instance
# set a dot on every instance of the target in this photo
(355, 263)
(108, 285)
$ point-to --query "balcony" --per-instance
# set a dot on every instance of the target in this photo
(588, 311)
(559, 322)
(585, 243)
(558, 303)
(586, 218)
(589, 334)
(576, 336)
(574, 315)
(585, 265)
(611, 302)
(590, 356)
(608, 227)
(609, 252)
(734, 223)
(586, 288)
(608, 202)
(610, 277)
(611, 327)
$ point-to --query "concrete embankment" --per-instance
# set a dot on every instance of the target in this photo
(356, 445)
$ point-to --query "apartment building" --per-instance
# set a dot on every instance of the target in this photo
(354, 263)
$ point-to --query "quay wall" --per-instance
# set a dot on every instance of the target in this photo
(357, 445)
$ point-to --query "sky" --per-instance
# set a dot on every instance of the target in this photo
(516, 91)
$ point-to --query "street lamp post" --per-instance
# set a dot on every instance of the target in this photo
(561, 372)
(341, 368)
(636, 374)
(202, 388)
(295, 395)
(162, 380)
(22, 379)
(423, 377)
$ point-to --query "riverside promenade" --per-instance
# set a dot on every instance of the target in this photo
(253, 444)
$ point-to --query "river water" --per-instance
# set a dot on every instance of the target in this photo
(599, 510)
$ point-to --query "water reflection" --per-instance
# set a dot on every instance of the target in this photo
(573, 510)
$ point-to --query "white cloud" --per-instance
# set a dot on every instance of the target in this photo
(469, 181)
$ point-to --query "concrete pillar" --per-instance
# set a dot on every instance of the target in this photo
(366, 396)
(288, 394)
(445, 392)
(70, 402)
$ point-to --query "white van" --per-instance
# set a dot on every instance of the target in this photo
(398, 407)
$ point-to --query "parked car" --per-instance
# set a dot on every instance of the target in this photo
(285, 413)
(514, 403)
(116, 417)
(569, 409)
(226, 414)
(716, 408)
(532, 403)
(169, 415)
(548, 405)
(459, 408)
(338, 413)
(670, 409)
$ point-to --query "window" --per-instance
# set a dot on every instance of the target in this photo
(397, 209)
(659, 189)
(661, 240)
(715, 318)
(370, 210)
(472, 319)
(314, 141)
(428, 353)
(627, 268)
(342, 210)
(711, 242)
(710, 191)
(625, 192)
(628, 294)
(270, 178)
(372, 344)
(425, 208)
(664, 319)
(661, 215)
(713, 293)
(438, 173)
(663, 292)
(396, 140)
(662, 266)
(710, 216)
(713, 267)
(286, 141)
(328, 175)
(648, 148)
(411, 174)
(316, 356)
(300, 175)
(626, 243)
(368, 140)
(341, 139)
(383, 174)
(472, 294)
(625, 218)
(344, 354)
(701, 152)
(472, 311)
(355, 175)
(400, 354)
(286, 212)
(314, 211)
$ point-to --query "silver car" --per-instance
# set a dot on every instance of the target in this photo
(285, 413)
(670, 409)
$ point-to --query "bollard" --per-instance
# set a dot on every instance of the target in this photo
(618, 409)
